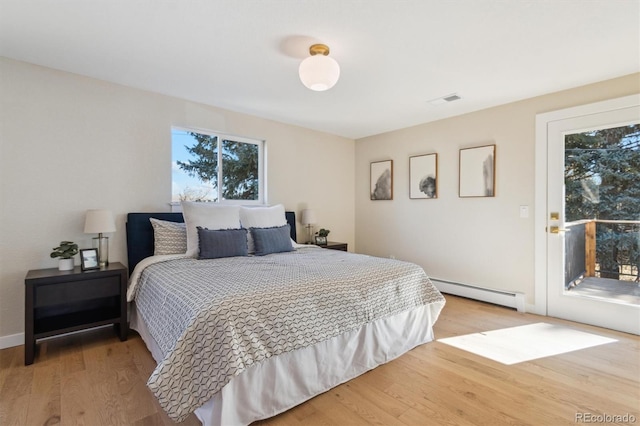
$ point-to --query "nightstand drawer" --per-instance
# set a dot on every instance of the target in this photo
(75, 291)
(334, 245)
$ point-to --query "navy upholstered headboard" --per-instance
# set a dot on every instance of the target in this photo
(140, 233)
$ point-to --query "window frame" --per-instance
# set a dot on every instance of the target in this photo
(221, 136)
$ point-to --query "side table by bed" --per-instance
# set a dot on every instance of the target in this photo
(334, 245)
(58, 302)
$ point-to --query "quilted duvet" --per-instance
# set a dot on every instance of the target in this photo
(213, 319)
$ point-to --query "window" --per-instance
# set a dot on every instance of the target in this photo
(213, 167)
(602, 198)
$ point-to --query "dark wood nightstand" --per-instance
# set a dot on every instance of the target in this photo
(333, 245)
(58, 302)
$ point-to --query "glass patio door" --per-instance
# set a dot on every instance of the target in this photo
(582, 199)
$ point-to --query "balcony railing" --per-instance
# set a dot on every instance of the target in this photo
(615, 256)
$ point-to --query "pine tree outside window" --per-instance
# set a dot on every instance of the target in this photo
(214, 167)
(602, 184)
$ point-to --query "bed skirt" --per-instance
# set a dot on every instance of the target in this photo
(284, 381)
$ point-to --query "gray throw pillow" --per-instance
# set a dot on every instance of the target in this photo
(169, 237)
(271, 240)
(219, 243)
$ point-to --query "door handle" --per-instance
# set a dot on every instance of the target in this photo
(556, 229)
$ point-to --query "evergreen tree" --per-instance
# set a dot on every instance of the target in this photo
(602, 181)
(239, 166)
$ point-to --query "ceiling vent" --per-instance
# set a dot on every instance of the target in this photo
(445, 99)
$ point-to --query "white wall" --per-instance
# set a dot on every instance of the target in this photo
(70, 143)
(477, 241)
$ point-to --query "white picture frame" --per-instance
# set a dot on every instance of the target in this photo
(423, 176)
(478, 171)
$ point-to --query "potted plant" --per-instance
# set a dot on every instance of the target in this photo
(321, 236)
(65, 252)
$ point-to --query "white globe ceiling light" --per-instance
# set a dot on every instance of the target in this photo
(319, 72)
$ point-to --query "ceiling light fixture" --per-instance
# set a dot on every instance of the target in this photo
(319, 72)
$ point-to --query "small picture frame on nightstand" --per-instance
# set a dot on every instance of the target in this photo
(321, 241)
(89, 259)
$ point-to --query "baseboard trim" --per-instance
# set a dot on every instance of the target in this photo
(11, 340)
(499, 297)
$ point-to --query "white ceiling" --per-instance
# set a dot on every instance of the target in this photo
(395, 55)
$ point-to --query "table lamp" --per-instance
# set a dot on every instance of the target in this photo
(308, 219)
(100, 222)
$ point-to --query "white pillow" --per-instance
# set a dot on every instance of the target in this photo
(210, 216)
(261, 217)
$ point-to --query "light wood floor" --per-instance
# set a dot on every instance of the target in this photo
(92, 378)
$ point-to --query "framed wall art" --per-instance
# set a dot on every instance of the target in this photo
(382, 180)
(423, 176)
(477, 171)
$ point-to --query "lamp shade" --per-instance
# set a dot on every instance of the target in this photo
(308, 217)
(99, 221)
(319, 72)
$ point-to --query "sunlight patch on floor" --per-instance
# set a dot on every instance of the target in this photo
(525, 343)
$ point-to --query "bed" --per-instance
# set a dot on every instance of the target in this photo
(245, 337)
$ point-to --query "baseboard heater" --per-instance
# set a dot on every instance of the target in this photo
(499, 297)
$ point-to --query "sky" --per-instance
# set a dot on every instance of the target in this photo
(180, 180)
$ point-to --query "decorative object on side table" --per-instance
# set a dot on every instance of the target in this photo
(100, 222)
(89, 259)
(321, 237)
(308, 219)
(65, 251)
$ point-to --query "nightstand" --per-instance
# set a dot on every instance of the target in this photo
(58, 302)
(333, 245)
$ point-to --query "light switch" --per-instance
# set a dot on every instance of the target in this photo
(524, 212)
